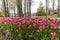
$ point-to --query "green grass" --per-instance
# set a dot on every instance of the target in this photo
(54, 16)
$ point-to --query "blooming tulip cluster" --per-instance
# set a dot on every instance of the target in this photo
(33, 28)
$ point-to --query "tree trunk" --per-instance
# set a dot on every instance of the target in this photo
(53, 5)
(29, 8)
(7, 8)
(4, 8)
(47, 5)
(58, 7)
(25, 8)
(19, 7)
(14, 12)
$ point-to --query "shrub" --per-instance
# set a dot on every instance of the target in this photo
(41, 10)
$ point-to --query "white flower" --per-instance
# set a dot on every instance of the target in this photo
(38, 31)
(59, 27)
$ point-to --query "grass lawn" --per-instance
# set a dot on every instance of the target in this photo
(55, 16)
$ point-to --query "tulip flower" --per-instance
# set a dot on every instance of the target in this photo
(53, 26)
(19, 25)
(34, 25)
(30, 27)
(42, 27)
(53, 34)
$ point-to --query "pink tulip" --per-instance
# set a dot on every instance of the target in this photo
(32, 19)
(53, 34)
(38, 22)
(24, 22)
(19, 25)
(34, 25)
(27, 19)
(53, 26)
(30, 27)
(42, 27)
(58, 21)
(48, 18)
(53, 21)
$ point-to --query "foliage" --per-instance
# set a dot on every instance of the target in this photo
(1, 14)
(41, 10)
(31, 28)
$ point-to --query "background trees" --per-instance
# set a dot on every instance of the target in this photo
(41, 10)
(9, 5)
(58, 7)
(6, 10)
(53, 5)
(19, 7)
(22, 8)
(47, 6)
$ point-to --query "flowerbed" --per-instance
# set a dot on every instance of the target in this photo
(31, 28)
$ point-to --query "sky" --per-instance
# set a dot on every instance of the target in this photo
(36, 3)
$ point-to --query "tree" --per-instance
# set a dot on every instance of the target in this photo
(13, 6)
(58, 7)
(19, 7)
(29, 7)
(40, 10)
(7, 5)
(53, 5)
(47, 5)
(6, 10)
(25, 4)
